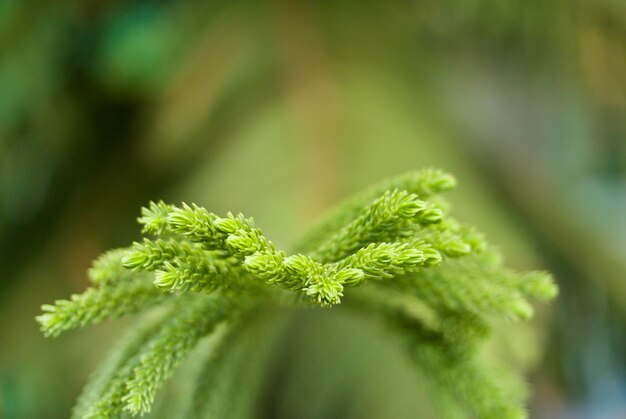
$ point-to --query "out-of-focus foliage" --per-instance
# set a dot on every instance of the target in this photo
(239, 105)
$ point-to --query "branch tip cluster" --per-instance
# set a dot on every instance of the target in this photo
(391, 251)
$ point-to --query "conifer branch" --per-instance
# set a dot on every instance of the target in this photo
(229, 378)
(390, 251)
(97, 304)
(108, 269)
(101, 397)
(154, 218)
(239, 237)
(169, 347)
(444, 348)
(182, 266)
(382, 220)
(469, 286)
(424, 183)
(387, 260)
(151, 255)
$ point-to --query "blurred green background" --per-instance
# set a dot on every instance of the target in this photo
(280, 109)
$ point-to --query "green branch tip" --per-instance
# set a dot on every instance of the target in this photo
(392, 252)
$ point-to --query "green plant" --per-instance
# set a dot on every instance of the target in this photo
(391, 252)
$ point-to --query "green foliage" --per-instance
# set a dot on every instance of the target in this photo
(97, 304)
(391, 252)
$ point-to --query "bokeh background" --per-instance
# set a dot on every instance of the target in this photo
(279, 109)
